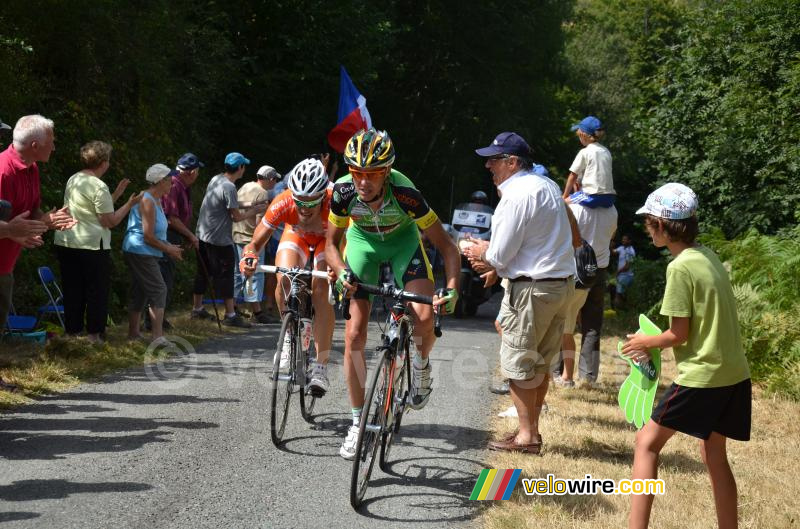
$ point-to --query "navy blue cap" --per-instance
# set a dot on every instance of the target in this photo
(235, 159)
(189, 161)
(507, 143)
(590, 125)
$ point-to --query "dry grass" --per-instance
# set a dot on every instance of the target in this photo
(585, 433)
(38, 369)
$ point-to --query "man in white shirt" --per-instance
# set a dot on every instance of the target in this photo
(532, 246)
(597, 226)
(625, 254)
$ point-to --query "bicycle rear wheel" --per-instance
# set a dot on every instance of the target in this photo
(307, 400)
(397, 408)
(373, 420)
(282, 380)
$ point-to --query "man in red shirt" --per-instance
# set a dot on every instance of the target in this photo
(19, 185)
(177, 206)
(19, 227)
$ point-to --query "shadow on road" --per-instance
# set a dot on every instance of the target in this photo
(46, 489)
(433, 487)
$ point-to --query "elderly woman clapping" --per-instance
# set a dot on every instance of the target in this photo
(84, 252)
(145, 242)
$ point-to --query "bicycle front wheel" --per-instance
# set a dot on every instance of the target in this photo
(397, 406)
(373, 422)
(307, 400)
(282, 380)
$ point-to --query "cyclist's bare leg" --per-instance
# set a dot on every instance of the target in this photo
(323, 315)
(287, 258)
(355, 338)
(423, 316)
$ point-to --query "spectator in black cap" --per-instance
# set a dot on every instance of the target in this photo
(177, 206)
(531, 246)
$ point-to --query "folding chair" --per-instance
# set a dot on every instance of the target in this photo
(19, 324)
(56, 302)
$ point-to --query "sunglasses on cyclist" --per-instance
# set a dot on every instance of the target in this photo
(308, 204)
(371, 175)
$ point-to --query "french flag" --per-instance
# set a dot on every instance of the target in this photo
(353, 113)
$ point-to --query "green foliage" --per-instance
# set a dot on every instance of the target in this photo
(763, 271)
(645, 293)
(725, 121)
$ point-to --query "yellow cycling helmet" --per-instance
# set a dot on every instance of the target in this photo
(369, 149)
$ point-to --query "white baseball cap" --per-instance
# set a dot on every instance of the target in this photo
(156, 173)
(267, 171)
(671, 201)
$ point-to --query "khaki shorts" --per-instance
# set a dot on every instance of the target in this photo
(574, 306)
(532, 317)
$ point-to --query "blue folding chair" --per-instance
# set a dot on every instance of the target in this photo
(19, 324)
(56, 305)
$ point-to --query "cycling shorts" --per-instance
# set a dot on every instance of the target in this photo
(302, 242)
(404, 251)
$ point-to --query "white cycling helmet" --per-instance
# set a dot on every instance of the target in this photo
(308, 178)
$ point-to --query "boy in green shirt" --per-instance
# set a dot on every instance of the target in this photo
(711, 397)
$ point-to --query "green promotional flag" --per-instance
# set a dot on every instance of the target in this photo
(637, 393)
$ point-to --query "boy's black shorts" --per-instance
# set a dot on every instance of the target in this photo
(700, 411)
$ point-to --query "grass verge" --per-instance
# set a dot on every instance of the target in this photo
(38, 369)
(585, 432)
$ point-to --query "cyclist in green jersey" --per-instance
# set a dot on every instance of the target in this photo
(382, 212)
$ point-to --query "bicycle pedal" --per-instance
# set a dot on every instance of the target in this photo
(315, 392)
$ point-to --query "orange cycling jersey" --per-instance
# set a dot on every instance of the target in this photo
(283, 210)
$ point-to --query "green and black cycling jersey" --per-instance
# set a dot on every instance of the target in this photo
(403, 206)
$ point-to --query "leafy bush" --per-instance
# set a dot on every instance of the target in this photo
(763, 271)
(645, 293)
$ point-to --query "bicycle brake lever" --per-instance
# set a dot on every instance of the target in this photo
(345, 307)
(437, 322)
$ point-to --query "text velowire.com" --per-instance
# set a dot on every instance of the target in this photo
(551, 486)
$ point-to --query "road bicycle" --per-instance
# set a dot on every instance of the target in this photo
(387, 397)
(296, 323)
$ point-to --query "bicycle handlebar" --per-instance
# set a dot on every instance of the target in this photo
(391, 291)
(296, 272)
(271, 269)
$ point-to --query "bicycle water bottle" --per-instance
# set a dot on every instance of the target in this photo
(306, 331)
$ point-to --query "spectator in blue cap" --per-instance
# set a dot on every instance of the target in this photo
(590, 194)
(216, 254)
(590, 182)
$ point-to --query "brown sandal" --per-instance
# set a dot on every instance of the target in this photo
(507, 444)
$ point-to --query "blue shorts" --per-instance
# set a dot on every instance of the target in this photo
(592, 201)
(624, 280)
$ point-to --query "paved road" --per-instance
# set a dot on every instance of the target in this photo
(186, 444)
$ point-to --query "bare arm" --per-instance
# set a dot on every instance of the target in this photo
(572, 185)
(148, 211)
(22, 227)
(333, 238)
(638, 344)
(444, 243)
(573, 224)
(109, 220)
(120, 189)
